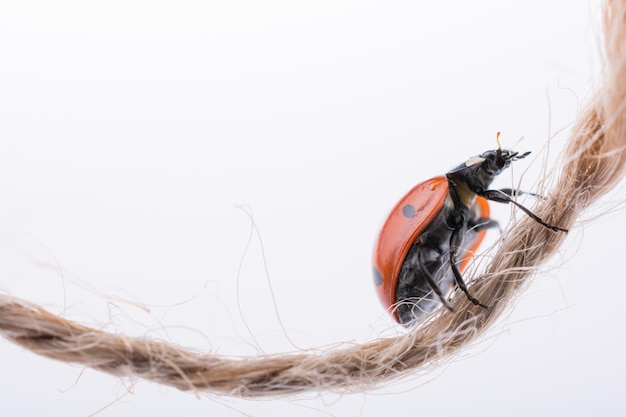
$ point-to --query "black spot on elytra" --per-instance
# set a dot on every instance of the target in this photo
(408, 211)
(378, 279)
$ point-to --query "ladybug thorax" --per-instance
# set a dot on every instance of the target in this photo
(463, 195)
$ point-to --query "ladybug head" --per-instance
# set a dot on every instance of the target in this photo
(479, 171)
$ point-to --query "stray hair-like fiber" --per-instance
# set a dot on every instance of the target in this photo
(591, 165)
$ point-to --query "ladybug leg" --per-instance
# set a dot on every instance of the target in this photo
(455, 269)
(501, 197)
(513, 193)
(485, 223)
(431, 281)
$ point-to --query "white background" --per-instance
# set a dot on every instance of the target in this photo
(130, 130)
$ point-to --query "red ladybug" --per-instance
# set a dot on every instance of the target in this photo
(430, 235)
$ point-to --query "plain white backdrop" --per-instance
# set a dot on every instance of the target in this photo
(130, 131)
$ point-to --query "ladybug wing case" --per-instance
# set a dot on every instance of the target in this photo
(413, 214)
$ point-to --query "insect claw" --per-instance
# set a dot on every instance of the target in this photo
(448, 305)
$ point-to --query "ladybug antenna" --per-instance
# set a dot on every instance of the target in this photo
(499, 151)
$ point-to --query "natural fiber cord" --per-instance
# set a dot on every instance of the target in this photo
(592, 163)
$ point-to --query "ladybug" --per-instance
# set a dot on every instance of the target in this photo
(430, 235)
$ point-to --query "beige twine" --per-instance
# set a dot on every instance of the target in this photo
(592, 164)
